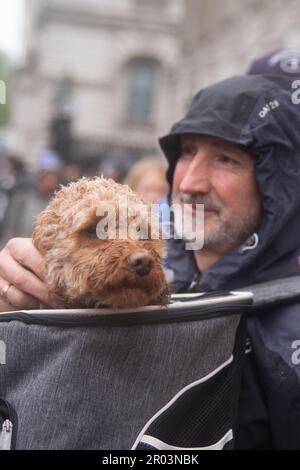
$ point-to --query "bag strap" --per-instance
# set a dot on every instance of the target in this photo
(278, 291)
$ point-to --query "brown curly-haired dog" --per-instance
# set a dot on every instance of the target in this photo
(87, 271)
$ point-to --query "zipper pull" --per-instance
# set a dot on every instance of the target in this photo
(194, 282)
(6, 435)
(250, 244)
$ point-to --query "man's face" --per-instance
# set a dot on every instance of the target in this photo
(220, 175)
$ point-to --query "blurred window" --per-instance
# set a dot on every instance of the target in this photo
(153, 3)
(142, 74)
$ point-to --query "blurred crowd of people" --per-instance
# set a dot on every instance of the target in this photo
(24, 194)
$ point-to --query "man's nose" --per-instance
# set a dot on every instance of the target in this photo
(197, 178)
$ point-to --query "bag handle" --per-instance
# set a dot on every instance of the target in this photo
(277, 291)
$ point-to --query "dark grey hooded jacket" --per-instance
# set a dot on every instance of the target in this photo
(261, 114)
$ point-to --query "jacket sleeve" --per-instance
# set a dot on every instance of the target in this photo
(269, 415)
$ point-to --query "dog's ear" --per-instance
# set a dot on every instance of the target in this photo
(45, 230)
(86, 221)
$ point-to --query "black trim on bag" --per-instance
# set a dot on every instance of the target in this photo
(124, 319)
(187, 307)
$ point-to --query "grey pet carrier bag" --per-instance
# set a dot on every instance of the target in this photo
(154, 378)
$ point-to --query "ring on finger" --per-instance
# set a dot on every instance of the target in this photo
(4, 290)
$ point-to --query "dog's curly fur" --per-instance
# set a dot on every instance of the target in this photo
(85, 271)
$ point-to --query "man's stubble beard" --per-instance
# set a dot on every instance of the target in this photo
(231, 231)
(225, 230)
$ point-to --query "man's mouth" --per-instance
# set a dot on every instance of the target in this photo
(206, 210)
(197, 205)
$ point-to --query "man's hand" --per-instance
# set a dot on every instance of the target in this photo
(22, 271)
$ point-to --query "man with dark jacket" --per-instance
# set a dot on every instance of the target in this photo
(237, 151)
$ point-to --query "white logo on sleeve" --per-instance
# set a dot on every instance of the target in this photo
(296, 94)
(296, 354)
(268, 108)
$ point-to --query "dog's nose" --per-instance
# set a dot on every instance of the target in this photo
(141, 263)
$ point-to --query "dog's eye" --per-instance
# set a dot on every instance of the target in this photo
(91, 231)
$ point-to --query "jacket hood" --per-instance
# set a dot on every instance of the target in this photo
(261, 114)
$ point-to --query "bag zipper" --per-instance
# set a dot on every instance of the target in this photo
(8, 417)
(6, 435)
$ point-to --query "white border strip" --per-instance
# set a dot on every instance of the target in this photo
(160, 445)
(181, 392)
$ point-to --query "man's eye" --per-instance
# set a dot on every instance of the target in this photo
(188, 151)
(226, 160)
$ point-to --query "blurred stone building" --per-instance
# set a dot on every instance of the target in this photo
(221, 38)
(103, 70)
(118, 73)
